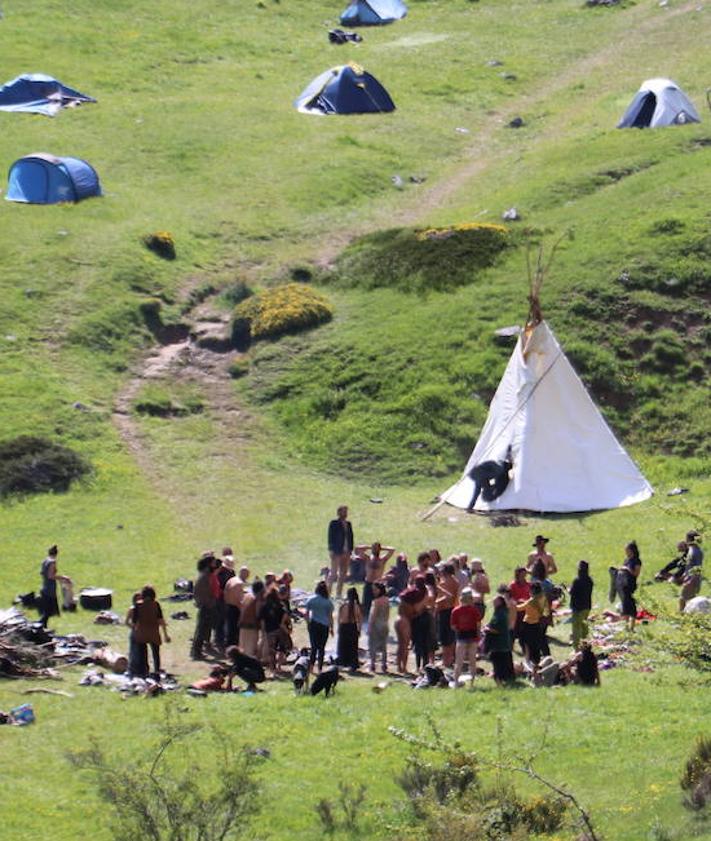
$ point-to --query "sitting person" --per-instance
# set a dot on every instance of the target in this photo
(586, 670)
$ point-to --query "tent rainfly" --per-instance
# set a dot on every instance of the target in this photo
(44, 179)
(344, 90)
(659, 102)
(39, 94)
(565, 457)
(373, 12)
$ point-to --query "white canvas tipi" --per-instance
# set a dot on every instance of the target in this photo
(565, 457)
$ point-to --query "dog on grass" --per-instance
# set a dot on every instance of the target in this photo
(326, 681)
(300, 672)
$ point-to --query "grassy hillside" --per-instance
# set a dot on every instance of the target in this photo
(194, 133)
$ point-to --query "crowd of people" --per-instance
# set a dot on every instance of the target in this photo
(441, 611)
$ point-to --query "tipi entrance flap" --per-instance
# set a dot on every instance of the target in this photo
(565, 456)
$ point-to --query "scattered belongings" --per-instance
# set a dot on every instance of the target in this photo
(347, 89)
(509, 77)
(180, 615)
(505, 521)
(517, 122)
(511, 215)
(677, 491)
(29, 650)
(37, 93)
(338, 36)
(591, 3)
(699, 604)
(373, 12)
(397, 182)
(494, 62)
(22, 715)
(148, 687)
(42, 178)
(183, 585)
(107, 617)
(659, 102)
(462, 130)
(417, 179)
(96, 598)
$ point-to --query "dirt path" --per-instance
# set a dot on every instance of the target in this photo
(186, 360)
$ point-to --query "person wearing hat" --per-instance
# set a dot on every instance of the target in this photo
(540, 553)
(694, 553)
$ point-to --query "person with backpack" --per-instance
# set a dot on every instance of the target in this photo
(581, 603)
(466, 619)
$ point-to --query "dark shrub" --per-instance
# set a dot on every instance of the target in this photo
(30, 464)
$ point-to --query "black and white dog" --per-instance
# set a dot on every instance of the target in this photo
(300, 672)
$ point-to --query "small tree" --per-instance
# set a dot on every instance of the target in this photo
(154, 798)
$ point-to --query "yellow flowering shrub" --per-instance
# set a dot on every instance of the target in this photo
(284, 309)
(161, 243)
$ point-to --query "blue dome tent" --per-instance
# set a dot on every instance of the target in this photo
(659, 102)
(43, 179)
(345, 90)
(373, 12)
(37, 93)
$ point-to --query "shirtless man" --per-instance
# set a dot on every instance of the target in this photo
(233, 595)
(447, 598)
(375, 557)
(541, 553)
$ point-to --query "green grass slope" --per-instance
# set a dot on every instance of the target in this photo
(194, 133)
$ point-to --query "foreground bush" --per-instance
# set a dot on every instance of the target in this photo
(420, 260)
(286, 309)
(31, 464)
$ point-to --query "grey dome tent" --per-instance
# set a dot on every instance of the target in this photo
(45, 179)
(344, 90)
(373, 12)
(659, 102)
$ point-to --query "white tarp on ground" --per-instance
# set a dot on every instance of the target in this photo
(565, 456)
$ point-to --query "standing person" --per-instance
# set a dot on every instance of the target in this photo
(462, 570)
(49, 605)
(479, 578)
(626, 583)
(416, 598)
(446, 601)
(225, 571)
(430, 610)
(581, 603)
(378, 626)
(204, 598)
(397, 576)
(541, 553)
(350, 619)
(273, 619)
(340, 546)
(137, 654)
(466, 620)
(520, 592)
(249, 619)
(498, 633)
(403, 628)
(148, 622)
(535, 611)
(233, 595)
(319, 617)
(375, 561)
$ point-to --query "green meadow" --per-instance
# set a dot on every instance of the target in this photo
(194, 133)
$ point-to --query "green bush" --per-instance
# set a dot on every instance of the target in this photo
(31, 464)
(275, 312)
(412, 260)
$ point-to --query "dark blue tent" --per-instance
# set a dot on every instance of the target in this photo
(345, 90)
(373, 12)
(44, 179)
(39, 94)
